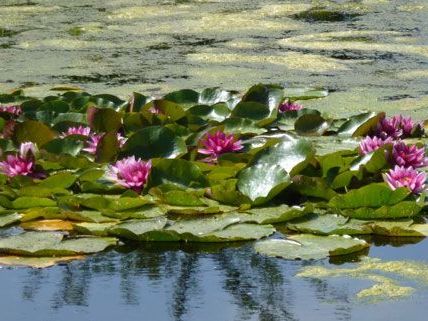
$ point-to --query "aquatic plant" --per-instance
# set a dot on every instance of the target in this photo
(217, 144)
(289, 106)
(94, 139)
(401, 176)
(11, 109)
(370, 144)
(408, 155)
(21, 163)
(395, 127)
(130, 173)
(283, 175)
(80, 130)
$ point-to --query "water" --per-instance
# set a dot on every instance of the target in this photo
(370, 54)
(172, 282)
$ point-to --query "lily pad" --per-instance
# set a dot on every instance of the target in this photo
(310, 247)
(52, 244)
(262, 182)
(329, 224)
(155, 141)
(48, 225)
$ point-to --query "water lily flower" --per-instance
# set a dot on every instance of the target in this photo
(28, 150)
(92, 142)
(370, 144)
(83, 131)
(404, 155)
(219, 143)
(408, 177)
(21, 163)
(13, 110)
(130, 172)
(289, 106)
(395, 127)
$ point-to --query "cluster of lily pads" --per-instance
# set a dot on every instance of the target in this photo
(81, 173)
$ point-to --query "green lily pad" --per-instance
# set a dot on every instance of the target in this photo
(179, 172)
(238, 232)
(329, 224)
(97, 229)
(52, 244)
(261, 182)
(9, 218)
(29, 202)
(373, 195)
(33, 131)
(60, 180)
(360, 125)
(275, 214)
(139, 230)
(155, 141)
(290, 154)
(310, 247)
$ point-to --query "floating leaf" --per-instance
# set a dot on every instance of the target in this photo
(372, 195)
(179, 172)
(155, 141)
(48, 225)
(275, 214)
(360, 125)
(310, 247)
(97, 229)
(29, 202)
(291, 155)
(33, 131)
(262, 182)
(52, 244)
(60, 180)
(9, 218)
(330, 224)
(311, 125)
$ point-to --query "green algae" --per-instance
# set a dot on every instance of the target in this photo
(388, 277)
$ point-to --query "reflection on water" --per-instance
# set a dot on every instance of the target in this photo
(185, 282)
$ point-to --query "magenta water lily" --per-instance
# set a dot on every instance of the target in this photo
(289, 106)
(93, 141)
(408, 177)
(370, 144)
(130, 172)
(80, 130)
(408, 155)
(21, 163)
(219, 143)
(395, 127)
(12, 110)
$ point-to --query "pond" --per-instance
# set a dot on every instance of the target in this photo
(369, 54)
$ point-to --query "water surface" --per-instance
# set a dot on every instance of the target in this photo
(370, 55)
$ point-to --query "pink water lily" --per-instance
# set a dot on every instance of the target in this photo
(81, 130)
(395, 127)
(130, 172)
(408, 177)
(408, 155)
(370, 144)
(12, 109)
(289, 106)
(92, 142)
(219, 143)
(21, 163)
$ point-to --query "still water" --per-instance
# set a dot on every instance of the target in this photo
(370, 54)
